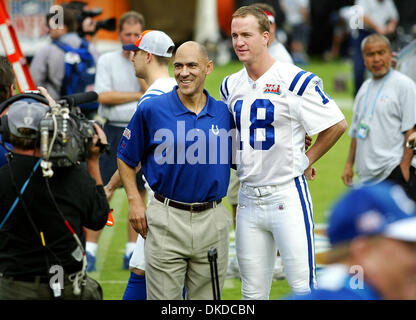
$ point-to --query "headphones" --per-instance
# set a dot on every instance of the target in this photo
(4, 124)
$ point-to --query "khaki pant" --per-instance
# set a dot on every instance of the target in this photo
(176, 251)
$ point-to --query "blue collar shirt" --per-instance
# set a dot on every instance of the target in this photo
(184, 156)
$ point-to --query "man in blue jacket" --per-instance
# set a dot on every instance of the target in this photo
(372, 230)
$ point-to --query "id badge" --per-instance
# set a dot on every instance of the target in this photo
(362, 131)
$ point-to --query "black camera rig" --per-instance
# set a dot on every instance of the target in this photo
(66, 135)
(81, 12)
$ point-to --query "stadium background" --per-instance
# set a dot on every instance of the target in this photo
(182, 20)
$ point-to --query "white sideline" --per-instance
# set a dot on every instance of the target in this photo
(107, 235)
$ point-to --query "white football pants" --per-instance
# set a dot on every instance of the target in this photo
(271, 218)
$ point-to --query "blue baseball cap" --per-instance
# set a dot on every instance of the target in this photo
(382, 209)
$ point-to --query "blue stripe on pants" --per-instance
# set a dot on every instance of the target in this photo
(307, 214)
(313, 228)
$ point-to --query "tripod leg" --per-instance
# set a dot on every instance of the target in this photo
(212, 258)
(217, 281)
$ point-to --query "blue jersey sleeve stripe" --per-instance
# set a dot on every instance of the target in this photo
(226, 86)
(305, 84)
(296, 79)
(157, 90)
(146, 97)
(222, 92)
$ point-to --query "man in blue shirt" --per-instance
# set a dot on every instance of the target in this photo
(183, 141)
(372, 230)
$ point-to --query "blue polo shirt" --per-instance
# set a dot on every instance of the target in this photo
(184, 156)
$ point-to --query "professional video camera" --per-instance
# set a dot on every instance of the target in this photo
(65, 133)
(82, 14)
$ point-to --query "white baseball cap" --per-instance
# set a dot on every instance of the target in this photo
(154, 41)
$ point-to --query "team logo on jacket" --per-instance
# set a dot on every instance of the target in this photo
(272, 88)
(127, 133)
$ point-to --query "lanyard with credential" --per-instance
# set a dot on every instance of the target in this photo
(376, 98)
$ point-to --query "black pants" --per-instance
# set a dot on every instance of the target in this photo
(397, 177)
(11, 289)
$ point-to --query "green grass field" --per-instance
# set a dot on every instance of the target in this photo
(324, 190)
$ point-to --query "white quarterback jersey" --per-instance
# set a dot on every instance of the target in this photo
(272, 116)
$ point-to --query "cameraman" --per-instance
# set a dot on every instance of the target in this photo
(38, 215)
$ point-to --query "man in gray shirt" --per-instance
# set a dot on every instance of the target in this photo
(48, 65)
(384, 116)
(60, 70)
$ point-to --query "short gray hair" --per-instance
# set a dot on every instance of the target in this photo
(375, 37)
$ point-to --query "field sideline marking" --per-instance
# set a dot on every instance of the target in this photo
(107, 235)
(113, 282)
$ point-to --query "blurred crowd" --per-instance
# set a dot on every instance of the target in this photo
(326, 24)
(334, 29)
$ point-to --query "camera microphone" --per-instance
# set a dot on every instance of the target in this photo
(80, 98)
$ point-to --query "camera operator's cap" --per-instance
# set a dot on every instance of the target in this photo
(154, 41)
(25, 113)
(382, 209)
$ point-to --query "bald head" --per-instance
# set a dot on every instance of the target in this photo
(196, 47)
(191, 66)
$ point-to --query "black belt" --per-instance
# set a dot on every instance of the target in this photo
(193, 207)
